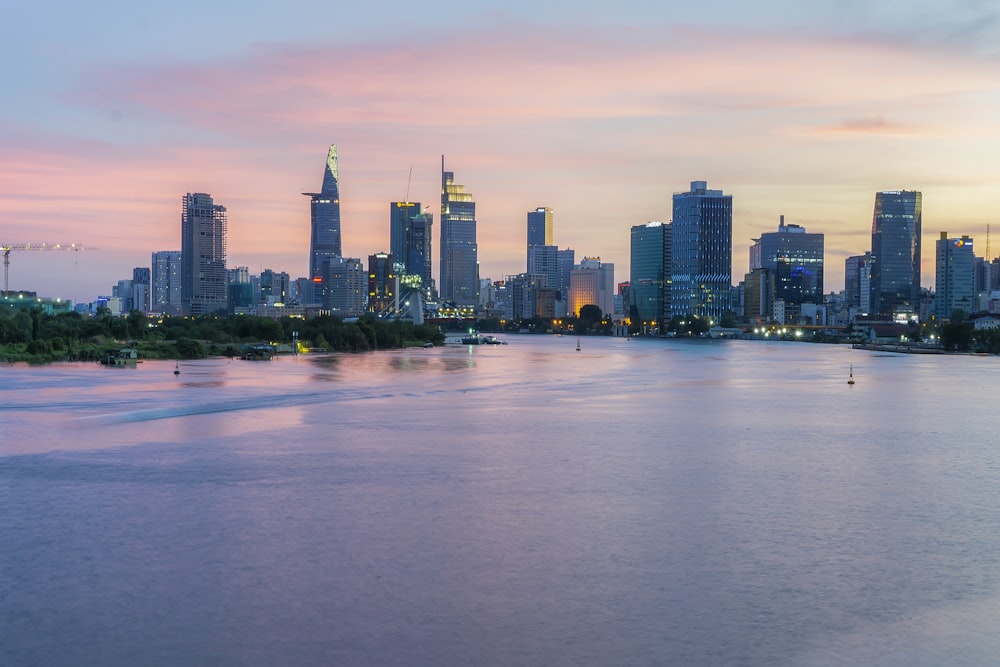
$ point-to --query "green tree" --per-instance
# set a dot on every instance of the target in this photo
(590, 315)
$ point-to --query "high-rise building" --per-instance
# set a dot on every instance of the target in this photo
(275, 286)
(459, 251)
(895, 272)
(857, 281)
(348, 287)
(702, 258)
(324, 209)
(795, 259)
(592, 283)
(141, 288)
(381, 283)
(203, 255)
(954, 280)
(400, 214)
(649, 272)
(165, 277)
(410, 244)
(540, 226)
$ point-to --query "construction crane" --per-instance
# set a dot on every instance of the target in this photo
(8, 247)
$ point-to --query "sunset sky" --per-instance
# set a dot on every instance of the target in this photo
(112, 110)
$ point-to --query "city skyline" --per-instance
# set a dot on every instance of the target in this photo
(801, 111)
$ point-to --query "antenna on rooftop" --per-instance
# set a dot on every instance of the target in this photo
(408, 179)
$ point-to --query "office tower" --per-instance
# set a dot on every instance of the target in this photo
(381, 283)
(895, 273)
(141, 288)
(795, 259)
(522, 296)
(540, 227)
(543, 260)
(758, 296)
(275, 286)
(592, 283)
(123, 291)
(165, 276)
(954, 280)
(459, 280)
(857, 270)
(702, 258)
(348, 287)
(239, 288)
(400, 214)
(324, 211)
(410, 244)
(649, 272)
(203, 255)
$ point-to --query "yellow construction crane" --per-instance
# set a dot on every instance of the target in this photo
(8, 247)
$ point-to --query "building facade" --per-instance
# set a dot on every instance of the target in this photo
(954, 279)
(203, 255)
(702, 256)
(347, 283)
(895, 269)
(459, 280)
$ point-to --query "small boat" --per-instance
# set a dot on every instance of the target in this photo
(850, 378)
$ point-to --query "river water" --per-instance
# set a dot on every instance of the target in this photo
(641, 502)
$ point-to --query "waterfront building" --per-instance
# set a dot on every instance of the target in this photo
(592, 283)
(702, 252)
(954, 279)
(649, 273)
(347, 283)
(543, 260)
(418, 265)
(795, 259)
(400, 214)
(165, 277)
(522, 296)
(758, 296)
(459, 280)
(857, 281)
(895, 253)
(381, 284)
(324, 212)
(203, 255)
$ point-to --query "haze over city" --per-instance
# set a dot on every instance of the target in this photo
(112, 111)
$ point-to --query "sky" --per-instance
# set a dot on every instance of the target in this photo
(111, 111)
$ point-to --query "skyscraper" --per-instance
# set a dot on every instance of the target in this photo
(895, 271)
(410, 242)
(400, 214)
(324, 209)
(649, 271)
(381, 283)
(459, 251)
(165, 276)
(857, 281)
(795, 260)
(702, 261)
(203, 255)
(954, 280)
(540, 226)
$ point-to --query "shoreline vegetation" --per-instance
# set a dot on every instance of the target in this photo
(38, 337)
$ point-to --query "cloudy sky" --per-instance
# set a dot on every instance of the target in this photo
(112, 110)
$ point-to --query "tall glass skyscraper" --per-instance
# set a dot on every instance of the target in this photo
(400, 214)
(895, 271)
(203, 255)
(649, 271)
(459, 251)
(702, 262)
(324, 208)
